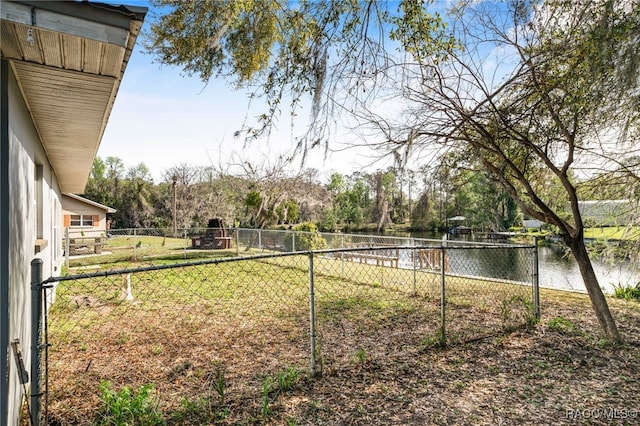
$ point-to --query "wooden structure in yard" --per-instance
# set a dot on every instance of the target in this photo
(86, 245)
(214, 238)
(379, 256)
(432, 259)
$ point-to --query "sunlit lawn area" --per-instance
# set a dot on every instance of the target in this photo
(613, 233)
(378, 353)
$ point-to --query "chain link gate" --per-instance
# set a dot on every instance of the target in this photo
(245, 322)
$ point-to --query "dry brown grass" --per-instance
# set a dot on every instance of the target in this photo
(378, 358)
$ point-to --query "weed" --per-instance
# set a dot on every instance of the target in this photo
(219, 384)
(198, 411)
(122, 338)
(627, 292)
(519, 310)
(266, 389)
(360, 356)
(287, 378)
(562, 325)
(156, 349)
(125, 407)
(436, 341)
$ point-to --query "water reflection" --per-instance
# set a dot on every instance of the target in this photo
(557, 269)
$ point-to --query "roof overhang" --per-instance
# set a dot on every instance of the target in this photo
(69, 59)
(107, 209)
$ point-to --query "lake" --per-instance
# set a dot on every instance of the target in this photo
(558, 269)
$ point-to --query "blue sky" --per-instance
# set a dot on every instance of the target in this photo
(164, 119)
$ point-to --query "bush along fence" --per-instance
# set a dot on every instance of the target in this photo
(223, 339)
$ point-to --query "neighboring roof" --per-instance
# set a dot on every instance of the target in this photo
(92, 203)
(457, 218)
(69, 58)
(608, 212)
(532, 223)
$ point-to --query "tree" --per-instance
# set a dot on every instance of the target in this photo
(559, 95)
(285, 51)
(546, 118)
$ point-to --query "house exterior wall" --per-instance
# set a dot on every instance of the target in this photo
(77, 207)
(35, 223)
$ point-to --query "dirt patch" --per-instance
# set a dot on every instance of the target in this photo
(374, 370)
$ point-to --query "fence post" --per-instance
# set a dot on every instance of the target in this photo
(312, 316)
(293, 240)
(237, 241)
(342, 256)
(536, 280)
(443, 297)
(135, 243)
(66, 247)
(260, 239)
(36, 328)
(185, 243)
(413, 255)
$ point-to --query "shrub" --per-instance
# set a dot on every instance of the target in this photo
(307, 237)
(627, 292)
(128, 407)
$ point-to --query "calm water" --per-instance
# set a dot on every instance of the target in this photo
(556, 268)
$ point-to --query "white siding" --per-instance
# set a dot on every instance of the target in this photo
(25, 151)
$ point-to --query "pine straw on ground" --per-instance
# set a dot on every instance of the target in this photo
(559, 372)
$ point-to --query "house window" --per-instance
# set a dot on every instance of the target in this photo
(81, 220)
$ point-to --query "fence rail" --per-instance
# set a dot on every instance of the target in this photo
(181, 324)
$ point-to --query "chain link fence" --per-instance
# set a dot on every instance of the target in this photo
(218, 337)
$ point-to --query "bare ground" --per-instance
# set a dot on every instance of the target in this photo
(559, 372)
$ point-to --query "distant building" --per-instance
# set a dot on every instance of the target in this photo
(532, 223)
(84, 217)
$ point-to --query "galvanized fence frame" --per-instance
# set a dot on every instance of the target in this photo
(354, 255)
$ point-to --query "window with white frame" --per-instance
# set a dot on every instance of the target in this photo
(80, 220)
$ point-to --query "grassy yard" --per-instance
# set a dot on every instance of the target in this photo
(230, 344)
(613, 233)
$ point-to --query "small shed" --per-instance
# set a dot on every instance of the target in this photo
(83, 217)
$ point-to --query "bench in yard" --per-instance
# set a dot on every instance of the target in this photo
(79, 246)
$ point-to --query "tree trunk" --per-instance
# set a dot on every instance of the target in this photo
(598, 301)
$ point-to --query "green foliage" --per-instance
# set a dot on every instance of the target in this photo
(438, 340)
(305, 236)
(266, 389)
(562, 325)
(128, 407)
(516, 311)
(273, 386)
(219, 385)
(360, 356)
(293, 50)
(287, 379)
(628, 292)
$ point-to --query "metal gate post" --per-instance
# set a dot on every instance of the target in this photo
(312, 316)
(536, 280)
(443, 297)
(66, 247)
(413, 256)
(135, 243)
(36, 334)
